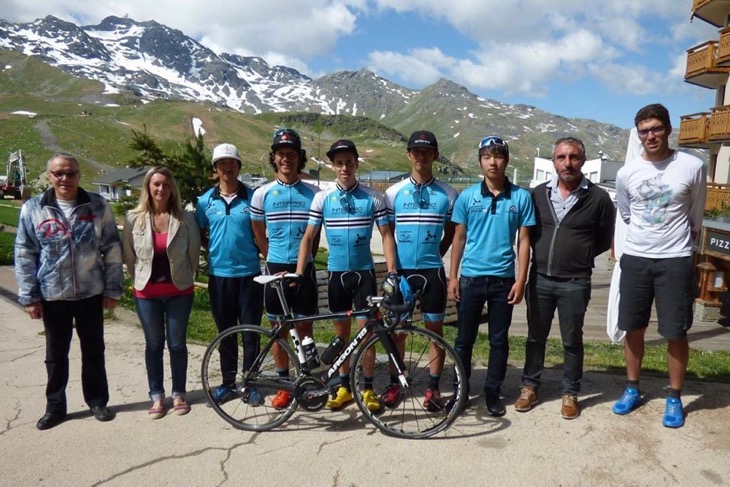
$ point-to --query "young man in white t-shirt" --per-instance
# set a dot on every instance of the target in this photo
(661, 197)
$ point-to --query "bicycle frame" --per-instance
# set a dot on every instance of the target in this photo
(375, 324)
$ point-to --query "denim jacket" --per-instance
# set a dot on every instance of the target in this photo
(183, 249)
(62, 259)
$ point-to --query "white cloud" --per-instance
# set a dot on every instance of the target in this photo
(517, 47)
(278, 30)
(513, 67)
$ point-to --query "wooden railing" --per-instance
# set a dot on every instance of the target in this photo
(723, 47)
(701, 59)
(694, 128)
(718, 197)
(719, 128)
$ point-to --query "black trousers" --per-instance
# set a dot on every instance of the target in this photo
(58, 321)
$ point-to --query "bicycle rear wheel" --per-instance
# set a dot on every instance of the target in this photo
(248, 405)
(411, 414)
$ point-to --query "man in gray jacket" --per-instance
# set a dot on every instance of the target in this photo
(68, 264)
(575, 221)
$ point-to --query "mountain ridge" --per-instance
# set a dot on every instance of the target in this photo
(150, 61)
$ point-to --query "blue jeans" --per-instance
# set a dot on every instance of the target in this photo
(475, 292)
(570, 297)
(160, 317)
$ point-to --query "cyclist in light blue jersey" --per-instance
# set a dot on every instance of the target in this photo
(419, 211)
(279, 215)
(348, 213)
(488, 217)
(224, 217)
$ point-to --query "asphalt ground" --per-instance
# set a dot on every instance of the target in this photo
(341, 448)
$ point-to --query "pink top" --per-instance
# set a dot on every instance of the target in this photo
(160, 283)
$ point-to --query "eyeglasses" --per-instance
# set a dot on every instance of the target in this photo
(490, 141)
(656, 131)
(64, 174)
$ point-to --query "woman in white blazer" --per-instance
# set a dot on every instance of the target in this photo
(161, 249)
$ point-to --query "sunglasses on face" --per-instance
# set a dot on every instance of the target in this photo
(490, 141)
(64, 174)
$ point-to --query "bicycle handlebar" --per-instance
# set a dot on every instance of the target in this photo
(396, 309)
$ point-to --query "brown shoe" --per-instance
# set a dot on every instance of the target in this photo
(570, 408)
(527, 400)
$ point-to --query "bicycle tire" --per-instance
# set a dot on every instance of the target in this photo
(240, 412)
(409, 417)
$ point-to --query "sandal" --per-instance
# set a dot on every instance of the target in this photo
(156, 412)
(181, 408)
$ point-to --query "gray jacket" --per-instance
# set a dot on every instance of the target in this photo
(183, 249)
(67, 259)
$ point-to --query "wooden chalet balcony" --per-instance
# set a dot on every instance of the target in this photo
(718, 197)
(719, 128)
(694, 130)
(723, 48)
(714, 12)
(702, 68)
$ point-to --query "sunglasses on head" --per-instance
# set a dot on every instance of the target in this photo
(283, 131)
(492, 140)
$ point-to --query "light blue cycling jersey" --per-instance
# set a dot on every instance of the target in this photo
(491, 227)
(285, 209)
(348, 217)
(231, 245)
(420, 212)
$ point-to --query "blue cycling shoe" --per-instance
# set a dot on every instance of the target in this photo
(223, 394)
(673, 414)
(629, 401)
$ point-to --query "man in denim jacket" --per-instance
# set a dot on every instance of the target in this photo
(68, 264)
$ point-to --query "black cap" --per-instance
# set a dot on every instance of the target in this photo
(286, 137)
(423, 138)
(342, 145)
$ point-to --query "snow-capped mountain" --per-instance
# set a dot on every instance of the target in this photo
(153, 61)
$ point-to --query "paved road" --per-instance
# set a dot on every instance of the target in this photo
(339, 449)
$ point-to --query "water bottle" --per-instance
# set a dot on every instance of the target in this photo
(330, 353)
(310, 352)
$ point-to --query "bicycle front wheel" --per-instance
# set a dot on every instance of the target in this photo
(243, 369)
(420, 409)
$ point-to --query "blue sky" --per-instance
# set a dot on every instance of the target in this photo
(599, 60)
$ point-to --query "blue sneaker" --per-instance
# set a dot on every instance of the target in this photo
(223, 394)
(255, 398)
(628, 402)
(673, 414)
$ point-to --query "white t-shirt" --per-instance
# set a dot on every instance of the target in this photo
(662, 203)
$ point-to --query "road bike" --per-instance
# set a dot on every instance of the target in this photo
(260, 375)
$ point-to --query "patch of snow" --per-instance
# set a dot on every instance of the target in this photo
(26, 113)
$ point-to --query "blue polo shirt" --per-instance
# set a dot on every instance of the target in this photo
(419, 212)
(285, 209)
(491, 227)
(348, 217)
(232, 251)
